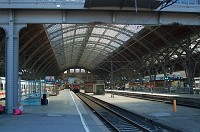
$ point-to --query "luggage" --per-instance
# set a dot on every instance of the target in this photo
(44, 101)
(44, 96)
(17, 111)
(1, 109)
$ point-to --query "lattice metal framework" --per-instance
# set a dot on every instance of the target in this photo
(135, 51)
(87, 45)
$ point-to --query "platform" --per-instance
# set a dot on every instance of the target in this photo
(195, 96)
(64, 113)
(185, 119)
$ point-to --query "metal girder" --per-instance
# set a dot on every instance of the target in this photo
(42, 4)
(160, 53)
(51, 70)
(44, 61)
(46, 66)
(96, 4)
(163, 38)
(137, 40)
(24, 16)
(184, 49)
(142, 4)
(170, 43)
(38, 44)
(30, 39)
(43, 45)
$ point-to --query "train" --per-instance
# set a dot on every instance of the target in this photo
(74, 84)
(30, 87)
(24, 88)
(75, 88)
(2, 89)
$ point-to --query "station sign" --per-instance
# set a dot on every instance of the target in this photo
(50, 78)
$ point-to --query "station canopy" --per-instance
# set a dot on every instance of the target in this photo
(50, 49)
(87, 45)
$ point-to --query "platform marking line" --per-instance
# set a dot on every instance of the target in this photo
(82, 120)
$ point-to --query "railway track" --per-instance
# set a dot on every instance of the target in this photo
(189, 102)
(121, 120)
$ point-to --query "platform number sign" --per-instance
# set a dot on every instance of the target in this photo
(50, 79)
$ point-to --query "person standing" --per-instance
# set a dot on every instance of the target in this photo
(152, 88)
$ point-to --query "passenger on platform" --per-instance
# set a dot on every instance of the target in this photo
(133, 88)
(123, 87)
(169, 89)
(152, 88)
(70, 87)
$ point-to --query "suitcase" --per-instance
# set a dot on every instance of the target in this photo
(44, 101)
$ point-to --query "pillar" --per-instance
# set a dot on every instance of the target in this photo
(12, 62)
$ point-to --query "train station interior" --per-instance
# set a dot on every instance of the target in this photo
(53, 50)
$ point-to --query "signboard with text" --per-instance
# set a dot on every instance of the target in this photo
(50, 79)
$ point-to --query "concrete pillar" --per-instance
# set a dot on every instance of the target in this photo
(12, 62)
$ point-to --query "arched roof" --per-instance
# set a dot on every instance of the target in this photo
(87, 45)
(50, 49)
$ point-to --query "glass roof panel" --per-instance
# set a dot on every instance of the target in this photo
(81, 31)
(79, 39)
(134, 28)
(53, 28)
(68, 25)
(119, 25)
(123, 37)
(82, 44)
(99, 46)
(93, 39)
(56, 38)
(90, 45)
(67, 34)
(111, 33)
(108, 49)
(106, 41)
(114, 44)
(68, 41)
(98, 31)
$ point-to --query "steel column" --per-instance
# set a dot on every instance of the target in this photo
(12, 63)
(15, 70)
